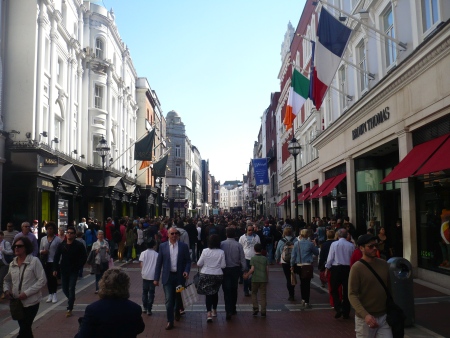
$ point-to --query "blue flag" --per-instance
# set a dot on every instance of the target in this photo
(261, 172)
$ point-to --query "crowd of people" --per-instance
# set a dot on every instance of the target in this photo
(229, 250)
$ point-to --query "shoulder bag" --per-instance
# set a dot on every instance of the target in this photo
(305, 271)
(15, 304)
(394, 314)
(44, 257)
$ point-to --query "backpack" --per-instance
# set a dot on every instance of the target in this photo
(117, 236)
(267, 234)
(287, 250)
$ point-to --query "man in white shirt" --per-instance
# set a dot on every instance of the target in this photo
(82, 226)
(248, 241)
(148, 260)
(338, 263)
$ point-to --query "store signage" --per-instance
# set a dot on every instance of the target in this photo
(51, 162)
(371, 123)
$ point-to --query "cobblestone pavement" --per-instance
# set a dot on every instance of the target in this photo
(284, 318)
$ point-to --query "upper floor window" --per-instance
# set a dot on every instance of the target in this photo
(389, 45)
(177, 150)
(99, 47)
(362, 63)
(98, 98)
(178, 170)
(430, 13)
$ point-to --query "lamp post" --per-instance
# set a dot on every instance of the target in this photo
(294, 149)
(159, 181)
(178, 189)
(103, 151)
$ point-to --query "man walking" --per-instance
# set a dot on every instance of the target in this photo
(70, 257)
(235, 260)
(26, 232)
(248, 241)
(338, 263)
(366, 294)
(175, 262)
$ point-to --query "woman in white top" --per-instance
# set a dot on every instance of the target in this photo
(212, 261)
(48, 247)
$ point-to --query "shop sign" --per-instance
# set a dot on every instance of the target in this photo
(50, 162)
(46, 184)
(371, 123)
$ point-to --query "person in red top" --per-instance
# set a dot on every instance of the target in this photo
(109, 229)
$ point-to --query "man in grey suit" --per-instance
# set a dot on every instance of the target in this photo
(175, 262)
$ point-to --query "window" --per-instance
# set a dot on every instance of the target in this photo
(430, 13)
(98, 98)
(177, 170)
(342, 79)
(99, 48)
(362, 63)
(59, 72)
(177, 150)
(389, 45)
(97, 158)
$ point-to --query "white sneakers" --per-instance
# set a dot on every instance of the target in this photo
(52, 298)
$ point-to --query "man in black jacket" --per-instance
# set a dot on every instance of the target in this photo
(70, 257)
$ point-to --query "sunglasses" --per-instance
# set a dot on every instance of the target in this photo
(371, 246)
(18, 246)
(174, 233)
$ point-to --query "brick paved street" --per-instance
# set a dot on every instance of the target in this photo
(283, 319)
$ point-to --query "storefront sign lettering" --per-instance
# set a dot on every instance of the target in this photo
(50, 162)
(371, 123)
(47, 184)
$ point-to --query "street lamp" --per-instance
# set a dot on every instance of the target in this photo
(103, 151)
(178, 189)
(159, 181)
(294, 149)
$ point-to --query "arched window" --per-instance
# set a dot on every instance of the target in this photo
(99, 48)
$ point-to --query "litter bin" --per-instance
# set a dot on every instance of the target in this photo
(401, 279)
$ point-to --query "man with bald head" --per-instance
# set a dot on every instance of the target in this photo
(26, 232)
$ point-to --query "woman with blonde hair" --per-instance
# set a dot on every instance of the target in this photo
(283, 255)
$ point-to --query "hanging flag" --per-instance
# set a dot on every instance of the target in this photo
(261, 171)
(311, 74)
(159, 168)
(143, 149)
(145, 164)
(332, 38)
(298, 93)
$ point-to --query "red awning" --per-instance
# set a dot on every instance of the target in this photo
(283, 200)
(302, 195)
(324, 185)
(336, 180)
(415, 159)
(311, 192)
(440, 160)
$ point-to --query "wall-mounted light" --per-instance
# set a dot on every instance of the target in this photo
(28, 135)
(12, 132)
(82, 156)
(43, 134)
(55, 140)
(75, 152)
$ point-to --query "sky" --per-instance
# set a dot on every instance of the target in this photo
(215, 63)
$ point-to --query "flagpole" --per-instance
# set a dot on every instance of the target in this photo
(398, 42)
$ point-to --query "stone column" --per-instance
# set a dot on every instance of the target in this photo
(351, 189)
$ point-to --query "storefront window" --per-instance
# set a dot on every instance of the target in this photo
(433, 215)
(369, 180)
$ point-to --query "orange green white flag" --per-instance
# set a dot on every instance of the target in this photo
(298, 93)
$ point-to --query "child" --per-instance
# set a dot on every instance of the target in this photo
(260, 270)
(148, 264)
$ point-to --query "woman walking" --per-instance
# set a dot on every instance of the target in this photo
(283, 255)
(25, 273)
(100, 250)
(212, 261)
(48, 247)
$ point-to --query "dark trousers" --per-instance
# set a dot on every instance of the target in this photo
(199, 248)
(211, 301)
(69, 282)
(25, 324)
(52, 281)
(148, 294)
(287, 274)
(339, 276)
(98, 276)
(248, 281)
(305, 288)
(230, 288)
(173, 303)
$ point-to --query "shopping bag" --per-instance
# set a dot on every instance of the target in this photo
(189, 295)
(293, 278)
(133, 252)
(111, 263)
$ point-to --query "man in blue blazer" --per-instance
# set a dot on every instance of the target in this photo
(175, 262)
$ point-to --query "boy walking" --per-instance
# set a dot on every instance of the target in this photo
(260, 270)
(148, 264)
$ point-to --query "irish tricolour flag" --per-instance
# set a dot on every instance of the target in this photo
(298, 93)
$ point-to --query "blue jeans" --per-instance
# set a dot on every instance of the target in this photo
(248, 281)
(69, 282)
(172, 303)
(148, 294)
(269, 249)
(230, 288)
(25, 324)
(193, 256)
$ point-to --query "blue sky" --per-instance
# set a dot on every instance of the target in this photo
(214, 62)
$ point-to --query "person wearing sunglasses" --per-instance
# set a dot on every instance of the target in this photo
(26, 232)
(24, 281)
(175, 262)
(366, 294)
(70, 257)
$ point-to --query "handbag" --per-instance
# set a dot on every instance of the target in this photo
(293, 278)
(133, 252)
(305, 271)
(15, 304)
(189, 295)
(395, 316)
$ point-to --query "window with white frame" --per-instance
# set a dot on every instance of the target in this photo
(97, 158)
(99, 48)
(177, 170)
(430, 13)
(342, 87)
(59, 72)
(362, 63)
(177, 150)
(98, 97)
(389, 45)
(57, 137)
